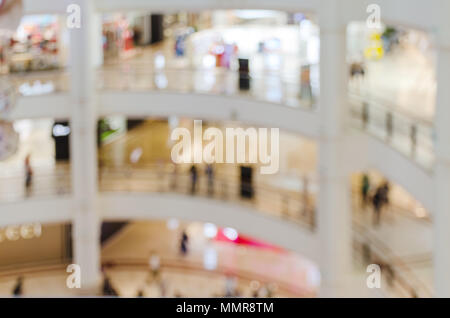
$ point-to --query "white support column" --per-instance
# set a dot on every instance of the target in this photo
(334, 215)
(441, 213)
(86, 223)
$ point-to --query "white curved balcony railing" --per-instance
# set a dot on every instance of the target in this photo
(411, 136)
(398, 278)
(46, 183)
(269, 87)
(57, 268)
(40, 83)
(282, 203)
(277, 202)
(7, 97)
(292, 206)
(274, 201)
(188, 266)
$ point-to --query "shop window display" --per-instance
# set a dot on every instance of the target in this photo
(32, 47)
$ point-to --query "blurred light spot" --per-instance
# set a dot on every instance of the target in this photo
(36, 89)
(420, 212)
(136, 155)
(61, 130)
(230, 233)
(173, 224)
(210, 258)
(209, 61)
(209, 230)
(161, 81)
(160, 61)
(313, 276)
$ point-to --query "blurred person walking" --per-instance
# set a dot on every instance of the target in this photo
(28, 174)
(18, 288)
(230, 286)
(173, 184)
(365, 188)
(183, 243)
(377, 202)
(194, 177)
(108, 289)
(357, 71)
(385, 188)
(210, 175)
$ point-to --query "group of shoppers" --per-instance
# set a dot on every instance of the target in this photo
(209, 172)
(378, 197)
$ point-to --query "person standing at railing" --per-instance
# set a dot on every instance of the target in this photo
(380, 201)
(377, 202)
(230, 286)
(305, 195)
(173, 184)
(17, 290)
(357, 71)
(194, 177)
(365, 188)
(209, 171)
(385, 193)
(305, 84)
(389, 126)
(28, 174)
(108, 289)
(365, 115)
(183, 243)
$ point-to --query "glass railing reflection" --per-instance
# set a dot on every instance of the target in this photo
(276, 202)
(398, 278)
(269, 87)
(273, 87)
(408, 134)
(411, 136)
(45, 183)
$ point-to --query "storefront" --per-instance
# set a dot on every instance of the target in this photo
(118, 36)
(33, 47)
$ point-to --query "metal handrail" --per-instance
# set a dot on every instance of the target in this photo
(44, 184)
(268, 199)
(395, 127)
(187, 265)
(381, 254)
(142, 264)
(274, 201)
(381, 102)
(223, 82)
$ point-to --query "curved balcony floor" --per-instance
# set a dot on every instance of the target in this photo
(276, 215)
(125, 262)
